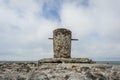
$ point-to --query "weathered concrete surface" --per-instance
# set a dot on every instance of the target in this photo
(65, 60)
(62, 43)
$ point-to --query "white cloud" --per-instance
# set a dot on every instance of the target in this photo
(97, 26)
(107, 19)
(76, 18)
(24, 31)
(29, 26)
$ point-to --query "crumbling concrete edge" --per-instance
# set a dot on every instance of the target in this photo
(66, 60)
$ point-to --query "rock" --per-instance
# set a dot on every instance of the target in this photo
(67, 77)
(100, 68)
(116, 68)
(1, 77)
(75, 76)
(56, 78)
(115, 76)
(13, 76)
(99, 76)
(102, 78)
(88, 75)
(38, 76)
(84, 69)
(9, 76)
(20, 78)
(72, 67)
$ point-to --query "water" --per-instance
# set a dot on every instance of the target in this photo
(109, 62)
(18, 61)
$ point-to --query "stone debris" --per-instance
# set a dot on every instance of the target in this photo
(61, 71)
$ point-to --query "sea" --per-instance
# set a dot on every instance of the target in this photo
(109, 62)
(98, 62)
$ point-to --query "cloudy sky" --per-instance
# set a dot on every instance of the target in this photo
(26, 25)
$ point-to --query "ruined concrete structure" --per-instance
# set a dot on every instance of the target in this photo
(62, 48)
(62, 43)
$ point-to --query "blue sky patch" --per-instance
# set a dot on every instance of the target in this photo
(51, 10)
(85, 3)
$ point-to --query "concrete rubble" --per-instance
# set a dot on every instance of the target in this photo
(58, 71)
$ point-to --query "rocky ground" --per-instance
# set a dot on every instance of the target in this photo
(61, 71)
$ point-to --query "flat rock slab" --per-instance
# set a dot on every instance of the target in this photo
(65, 60)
